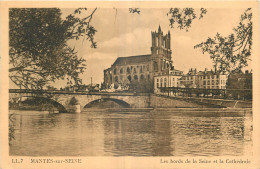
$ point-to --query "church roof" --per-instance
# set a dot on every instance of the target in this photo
(132, 59)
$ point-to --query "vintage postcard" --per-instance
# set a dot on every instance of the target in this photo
(126, 85)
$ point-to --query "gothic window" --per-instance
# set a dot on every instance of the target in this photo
(136, 77)
(161, 80)
(110, 78)
(129, 78)
(116, 79)
(167, 65)
(121, 70)
(142, 77)
(141, 69)
(134, 70)
(128, 70)
(148, 76)
(115, 71)
(165, 81)
(155, 65)
(147, 67)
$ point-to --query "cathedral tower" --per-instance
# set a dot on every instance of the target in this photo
(161, 51)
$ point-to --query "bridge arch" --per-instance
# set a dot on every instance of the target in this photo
(45, 100)
(102, 100)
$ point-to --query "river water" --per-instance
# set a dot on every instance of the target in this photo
(179, 132)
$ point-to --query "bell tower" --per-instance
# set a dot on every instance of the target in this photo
(161, 51)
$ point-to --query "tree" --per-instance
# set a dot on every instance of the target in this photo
(141, 86)
(39, 52)
(231, 53)
(182, 17)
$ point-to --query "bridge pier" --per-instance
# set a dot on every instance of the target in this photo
(62, 99)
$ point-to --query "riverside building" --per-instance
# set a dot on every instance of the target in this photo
(204, 79)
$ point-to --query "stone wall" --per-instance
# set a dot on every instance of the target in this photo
(170, 102)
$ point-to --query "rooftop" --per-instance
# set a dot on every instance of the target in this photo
(132, 59)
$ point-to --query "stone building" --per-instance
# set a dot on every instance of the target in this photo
(142, 67)
(169, 79)
(193, 79)
(204, 79)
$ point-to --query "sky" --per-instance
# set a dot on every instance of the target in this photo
(120, 34)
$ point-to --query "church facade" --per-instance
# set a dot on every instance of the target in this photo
(142, 67)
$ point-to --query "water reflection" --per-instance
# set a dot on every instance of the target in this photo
(158, 133)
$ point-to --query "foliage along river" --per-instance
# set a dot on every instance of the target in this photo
(181, 132)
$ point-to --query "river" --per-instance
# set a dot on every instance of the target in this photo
(180, 132)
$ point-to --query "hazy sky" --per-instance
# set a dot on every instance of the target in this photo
(121, 34)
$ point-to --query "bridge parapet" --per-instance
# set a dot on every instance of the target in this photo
(64, 97)
(133, 100)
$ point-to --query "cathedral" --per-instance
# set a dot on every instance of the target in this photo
(142, 67)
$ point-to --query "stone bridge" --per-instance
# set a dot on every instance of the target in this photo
(62, 98)
(132, 100)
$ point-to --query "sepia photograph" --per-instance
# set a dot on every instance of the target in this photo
(131, 81)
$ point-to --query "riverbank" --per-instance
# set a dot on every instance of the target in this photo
(218, 103)
(180, 110)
